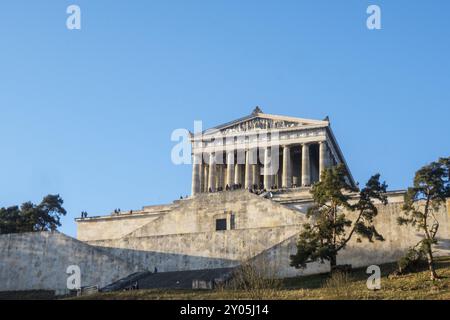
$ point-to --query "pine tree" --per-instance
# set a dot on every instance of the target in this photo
(331, 228)
(430, 189)
(30, 217)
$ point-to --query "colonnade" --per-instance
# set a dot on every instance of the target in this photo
(224, 170)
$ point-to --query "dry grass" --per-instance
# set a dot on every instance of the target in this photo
(257, 280)
(339, 286)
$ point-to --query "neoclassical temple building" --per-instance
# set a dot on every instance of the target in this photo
(231, 216)
(263, 151)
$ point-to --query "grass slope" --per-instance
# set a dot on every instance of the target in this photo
(411, 286)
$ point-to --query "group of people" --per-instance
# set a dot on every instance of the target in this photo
(84, 214)
(118, 211)
(257, 189)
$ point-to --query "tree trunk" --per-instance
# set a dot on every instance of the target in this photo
(333, 262)
(433, 275)
(428, 243)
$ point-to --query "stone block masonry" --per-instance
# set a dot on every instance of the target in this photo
(184, 237)
(39, 260)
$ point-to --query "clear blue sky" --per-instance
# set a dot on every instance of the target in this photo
(88, 114)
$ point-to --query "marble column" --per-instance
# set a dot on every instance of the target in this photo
(212, 173)
(237, 173)
(255, 178)
(219, 172)
(196, 166)
(267, 170)
(287, 170)
(248, 170)
(202, 176)
(306, 169)
(230, 168)
(322, 157)
(223, 173)
(206, 177)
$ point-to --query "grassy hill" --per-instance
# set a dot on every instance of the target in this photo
(352, 286)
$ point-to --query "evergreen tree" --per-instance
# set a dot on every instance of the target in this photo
(30, 217)
(430, 189)
(331, 228)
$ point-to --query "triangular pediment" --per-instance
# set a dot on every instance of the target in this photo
(261, 121)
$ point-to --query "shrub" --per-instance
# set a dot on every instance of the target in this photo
(413, 260)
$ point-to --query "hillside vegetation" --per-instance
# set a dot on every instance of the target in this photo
(351, 286)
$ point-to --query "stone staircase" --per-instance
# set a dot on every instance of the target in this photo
(194, 279)
(129, 282)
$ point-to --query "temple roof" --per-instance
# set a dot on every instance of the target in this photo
(273, 120)
(258, 120)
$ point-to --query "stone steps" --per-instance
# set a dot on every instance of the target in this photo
(171, 280)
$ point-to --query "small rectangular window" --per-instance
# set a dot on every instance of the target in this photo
(232, 222)
(221, 224)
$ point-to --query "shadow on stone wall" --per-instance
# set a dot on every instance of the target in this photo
(39, 261)
(355, 254)
(165, 262)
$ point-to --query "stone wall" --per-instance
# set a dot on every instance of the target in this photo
(204, 250)
(198, 215)
(39, 260)
(112, 227)
(190, 216)
(398, 239)
(186, 237)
